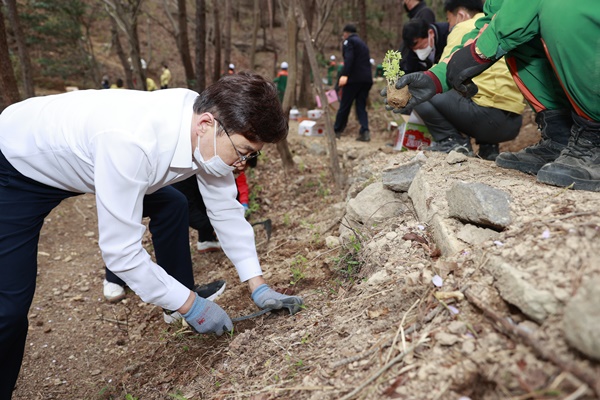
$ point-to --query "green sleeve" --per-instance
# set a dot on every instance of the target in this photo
(514, 24)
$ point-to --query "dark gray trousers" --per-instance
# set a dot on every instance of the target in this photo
(449, 114)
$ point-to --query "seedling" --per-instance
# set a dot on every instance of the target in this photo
(397, 98)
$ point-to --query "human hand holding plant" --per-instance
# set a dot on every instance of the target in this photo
(396, 98)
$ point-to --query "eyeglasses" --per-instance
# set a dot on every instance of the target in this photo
(242, 158)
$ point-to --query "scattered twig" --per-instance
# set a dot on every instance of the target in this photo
(396, 359)
(401, 329)
(507, 327)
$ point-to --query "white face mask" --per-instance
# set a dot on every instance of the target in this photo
(215, 166)
(424, 53)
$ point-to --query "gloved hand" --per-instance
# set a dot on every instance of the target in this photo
(207, 317)
(265, 297)
(464, 65)
(421, 85)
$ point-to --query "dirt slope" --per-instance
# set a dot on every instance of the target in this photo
(365, 307)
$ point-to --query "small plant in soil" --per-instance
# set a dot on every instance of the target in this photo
(396, 98)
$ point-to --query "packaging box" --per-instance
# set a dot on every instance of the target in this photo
(311, 128)
(331, 95)
(294, 114)
(412, 134)
(315, 114)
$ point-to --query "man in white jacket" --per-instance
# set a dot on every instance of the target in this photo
(59, 146)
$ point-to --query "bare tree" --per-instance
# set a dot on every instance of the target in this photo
(305, 96)
(8, 83)
(217, 59)
(255, 26)
(13, 17)
(200, 45)
(125, 13)
(116, 42)
(336, 171)
(227, 32)
(362, 20)
(287, 159)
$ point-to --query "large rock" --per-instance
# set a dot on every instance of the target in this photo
(400, 177)
(581, 321)
(479, 204)
(515, 288)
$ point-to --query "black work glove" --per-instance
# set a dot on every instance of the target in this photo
(464, 65)
(422, 87)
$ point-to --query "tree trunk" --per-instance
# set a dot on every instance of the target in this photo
(200, 45)
(336, 171)
(217, 59)
(227, 33)
(183, 44)
(125, 14)
(287, 159)
(13, 17)
(255, 26)
(8, 83)
(362, 20)
(305, 97)
(121, 53)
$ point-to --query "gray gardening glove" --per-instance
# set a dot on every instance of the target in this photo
(265, 297)
(207, 317)
(421, 85)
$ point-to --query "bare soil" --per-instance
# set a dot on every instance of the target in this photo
(371, 329)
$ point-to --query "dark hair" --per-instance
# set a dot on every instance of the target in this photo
(472, 6)
(350, 28)
(246, 103)
(414, 29)
(119, 82)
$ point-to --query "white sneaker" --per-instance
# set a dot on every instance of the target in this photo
(113, 292)
(207, 247)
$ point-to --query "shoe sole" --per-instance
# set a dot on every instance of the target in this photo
(115, 299)
(216, 294)
(209, 250)
(562, 180)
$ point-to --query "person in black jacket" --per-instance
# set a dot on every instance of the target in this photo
(425, 43)
(418, 9)
(355, 81)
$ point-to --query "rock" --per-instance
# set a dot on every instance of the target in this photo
(332, 242)
(479, 204)
(446, 339)
(378, 278)
(374, 205)
(581, 321)
(399, 178)
(454, 157)
(474, 235)
(518, 291)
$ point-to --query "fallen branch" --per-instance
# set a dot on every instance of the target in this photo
(507, 327)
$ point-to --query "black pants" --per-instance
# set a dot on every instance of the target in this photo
(167, 209)
(24, 203)
(350, 93)
(449, 114)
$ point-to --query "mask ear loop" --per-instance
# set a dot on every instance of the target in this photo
(215, 138)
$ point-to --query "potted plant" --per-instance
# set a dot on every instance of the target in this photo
(396, 98)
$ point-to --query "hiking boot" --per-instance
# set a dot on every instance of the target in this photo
(208, 246)
(338, 135)
(364, 136)
(113, 292)
(488, 151)
(210, 291)
(458, 144)
(579, 163)
(555, 126)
